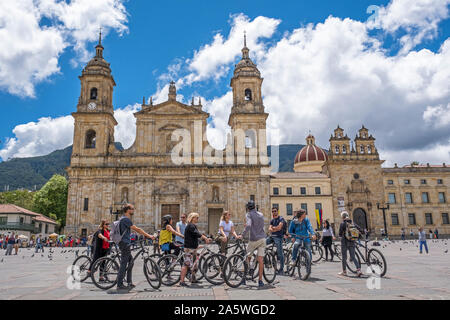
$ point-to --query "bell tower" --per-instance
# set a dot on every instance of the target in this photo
(248, 119)
(94, 119)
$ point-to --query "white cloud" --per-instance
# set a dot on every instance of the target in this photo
(438, 116)
(125, 131)
(34, 33)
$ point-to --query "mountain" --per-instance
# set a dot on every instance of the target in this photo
(34, 172)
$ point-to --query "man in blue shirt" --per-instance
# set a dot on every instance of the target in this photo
(277, 225)
(126, 260)
(301, 226)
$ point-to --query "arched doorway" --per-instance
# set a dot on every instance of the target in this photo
(360, 218)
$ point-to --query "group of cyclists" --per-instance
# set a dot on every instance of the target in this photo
(185, 236)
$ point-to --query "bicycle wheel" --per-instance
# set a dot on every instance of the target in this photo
(234, 270)
(200, 267)
(270, 267)
(152, 273)
(317, 253)
(213, 267)
(104, 273)
(303, 265)
(290, 268)
(170, 269)
(376, 258)
(350, 265)
(337, 251)
(83, 263)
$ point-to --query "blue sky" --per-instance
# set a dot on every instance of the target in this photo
(156, 36)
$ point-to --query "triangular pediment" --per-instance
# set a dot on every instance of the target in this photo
(171, 107)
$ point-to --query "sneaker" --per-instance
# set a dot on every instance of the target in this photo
(183, 284)
(358, 273)
(343, 273)
(122, 288)
(280, 272)
(131, 286)
(260, 284)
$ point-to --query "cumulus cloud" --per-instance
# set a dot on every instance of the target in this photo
(125, 131)
(34, 33)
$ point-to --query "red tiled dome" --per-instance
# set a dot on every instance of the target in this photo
(310, 152)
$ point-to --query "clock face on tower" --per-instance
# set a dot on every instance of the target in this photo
(92, 106)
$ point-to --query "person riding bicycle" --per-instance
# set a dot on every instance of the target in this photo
(165, 236)
(255, 225)
(348, 244)
(278, 230)
(301, 226)
(191, 236)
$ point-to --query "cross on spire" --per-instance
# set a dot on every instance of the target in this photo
(100, 36)
(245, 38)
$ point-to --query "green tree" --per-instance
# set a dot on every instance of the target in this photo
(21, 198)
(51, 200)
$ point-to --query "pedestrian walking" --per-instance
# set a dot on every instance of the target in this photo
(422, 240)
(191, 236)
(431, 234)
(39, 245)
(403, 234)
(255, 226)
(226, 227)
(17, 243)
(411, 234)
(436, 233)
(181, 227)
(126, 260)
(349, 233)
(277, 229)
(101, 245)
(327, 239)
(10, 245)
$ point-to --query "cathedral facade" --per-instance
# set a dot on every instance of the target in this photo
(170, 168)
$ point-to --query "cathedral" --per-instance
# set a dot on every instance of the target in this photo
(172, 169)
(203, 180)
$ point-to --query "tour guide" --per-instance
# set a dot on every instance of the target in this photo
(126, 260)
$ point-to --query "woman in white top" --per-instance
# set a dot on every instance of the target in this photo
(226, 227)
(327, 239)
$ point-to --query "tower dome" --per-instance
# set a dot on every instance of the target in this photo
(310, 158)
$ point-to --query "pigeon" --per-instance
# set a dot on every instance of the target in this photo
(446, 251)
(2, 259)
(32, 255)
(400, 249)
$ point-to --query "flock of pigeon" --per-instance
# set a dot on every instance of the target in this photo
(433, 244)
(50, 253)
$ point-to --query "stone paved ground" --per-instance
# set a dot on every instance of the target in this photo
(409, 276)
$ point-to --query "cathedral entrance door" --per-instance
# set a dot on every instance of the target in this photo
(173, 210)
(214, 215)
(360, 218)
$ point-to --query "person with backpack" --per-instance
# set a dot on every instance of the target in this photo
(349, 233)
(100, 242)
(277, 228)
(120, 234)
(301, 226)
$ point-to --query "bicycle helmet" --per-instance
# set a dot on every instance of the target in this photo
(165, 220)
(250, 205)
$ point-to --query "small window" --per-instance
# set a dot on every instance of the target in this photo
(40, 227)
(369, 149)
(289, 190)
(425, 198)
(394, 217)
(317, 189)
(407, 181)
(86, 204)
(428, 218)
(94, 94)
(21, 220)
(423, 181)
(344, 149)
(302, 190)
(445, 218)
(392, 198)
(90, 139)
(412, 218)
(441, 197)
(304, 206)
(408, 197)
(289, 209)
(390, 182)
(336, 149)
(361, 149)
(248, 95)
(252, 197)
(439, 181)
(3, 220)
(46, 228)
(318, 206)
(276, 191)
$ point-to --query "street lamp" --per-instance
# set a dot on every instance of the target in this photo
(117, 212)
(384, 215)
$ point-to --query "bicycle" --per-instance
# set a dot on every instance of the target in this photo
(105, 270)
(303, 260)
(236, 268)
(371, 257)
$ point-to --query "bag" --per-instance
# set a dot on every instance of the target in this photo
(284, 228)
(115, 232)
(351, 232)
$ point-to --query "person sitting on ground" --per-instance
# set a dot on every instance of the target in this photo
(226, 227)
(165, 236)
(348, 244)
(191, 236)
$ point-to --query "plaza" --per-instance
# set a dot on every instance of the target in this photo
(410, 276)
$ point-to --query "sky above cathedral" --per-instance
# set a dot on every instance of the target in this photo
(381, 64)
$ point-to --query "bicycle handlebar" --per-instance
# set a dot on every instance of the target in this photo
(300, 237)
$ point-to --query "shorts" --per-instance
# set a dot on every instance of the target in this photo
(189, 257)
(259, 245)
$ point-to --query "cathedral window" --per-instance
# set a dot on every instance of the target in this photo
(361, 148)
(344, 149)
(369, 149)
(124, 197)
(336, 149)
(248, 95)
(90, 139)
(250, 139)
(94, 94)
